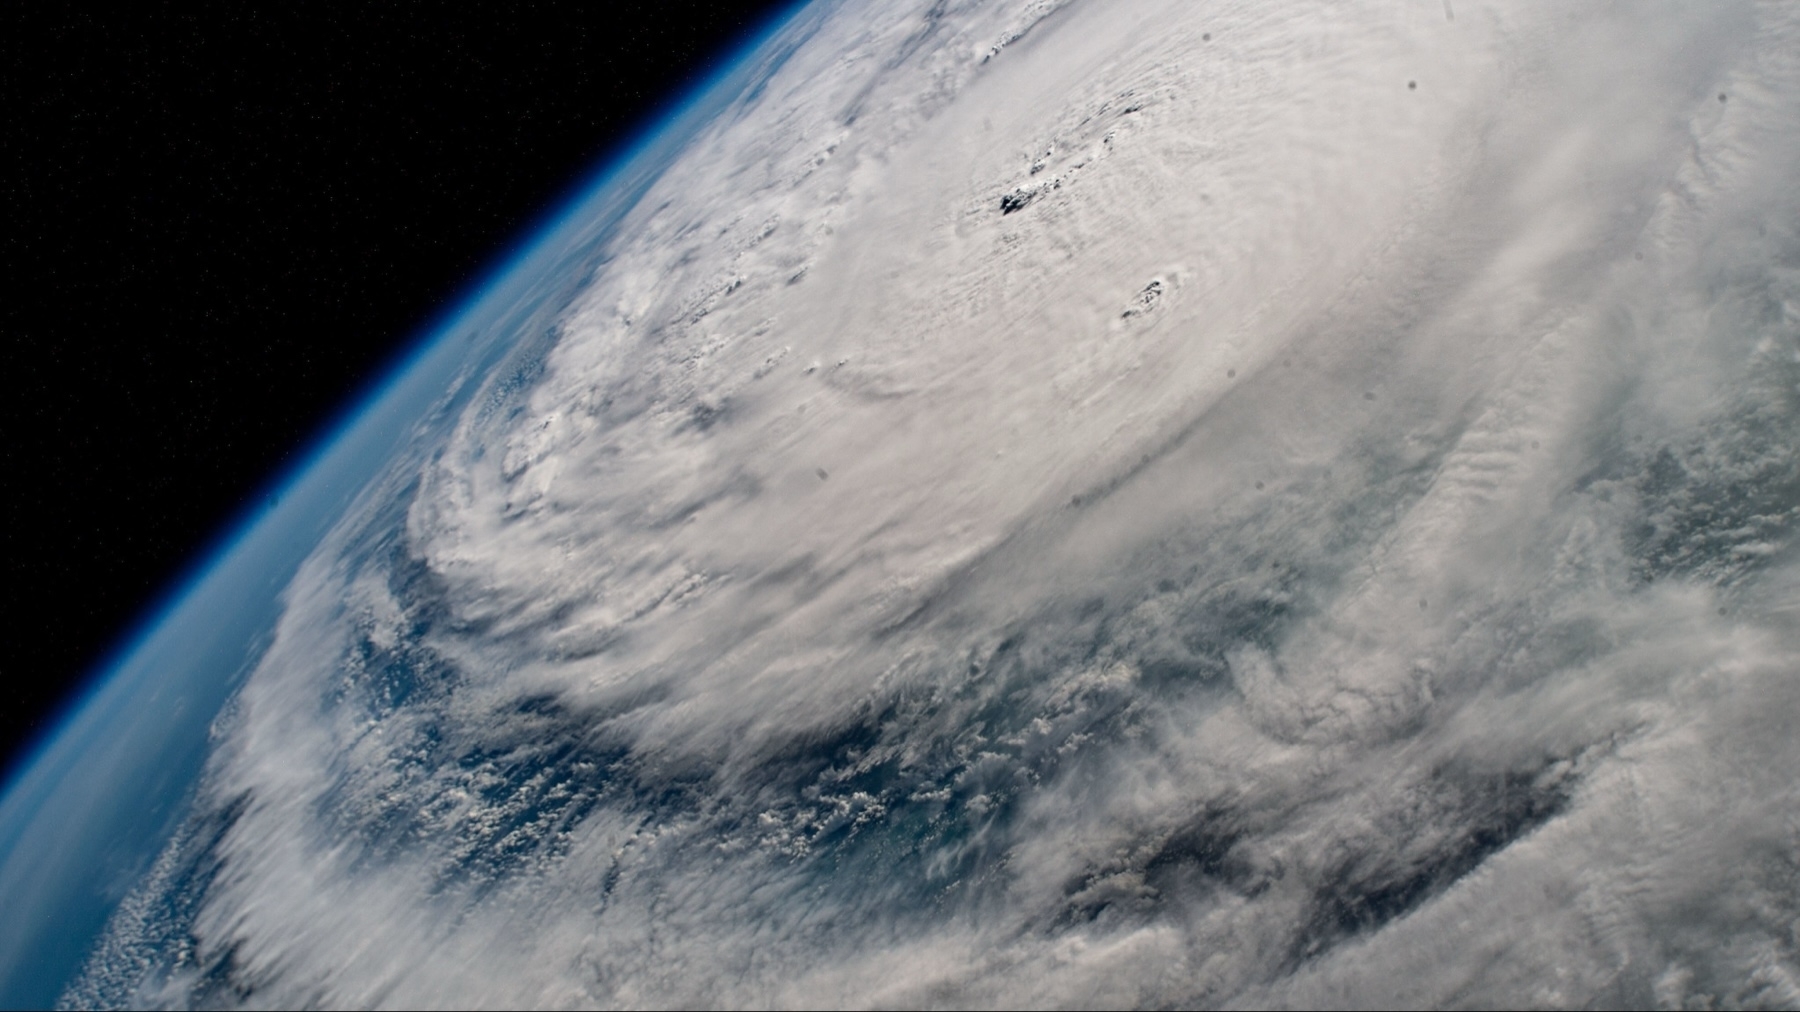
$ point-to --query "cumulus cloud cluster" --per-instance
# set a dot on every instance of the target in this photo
(1128, 503)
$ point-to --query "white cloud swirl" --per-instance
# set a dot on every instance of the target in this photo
(1137, 503)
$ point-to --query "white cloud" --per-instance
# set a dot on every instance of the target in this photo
(1102, 505)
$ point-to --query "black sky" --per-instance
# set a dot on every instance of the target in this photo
(222, 222)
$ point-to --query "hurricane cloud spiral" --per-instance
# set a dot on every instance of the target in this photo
(1122, 503)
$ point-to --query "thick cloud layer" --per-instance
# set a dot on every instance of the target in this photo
(1127, 503)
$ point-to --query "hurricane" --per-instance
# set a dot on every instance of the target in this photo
(1072, 504)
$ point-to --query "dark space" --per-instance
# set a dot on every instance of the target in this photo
(224, 223)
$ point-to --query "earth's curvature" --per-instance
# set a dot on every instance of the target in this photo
(1119, 503)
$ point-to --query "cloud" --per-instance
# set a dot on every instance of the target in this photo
(1085, 505)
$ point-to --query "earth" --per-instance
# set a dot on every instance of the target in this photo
(1041, 503)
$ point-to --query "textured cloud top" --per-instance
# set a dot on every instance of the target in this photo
(1126, 503)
